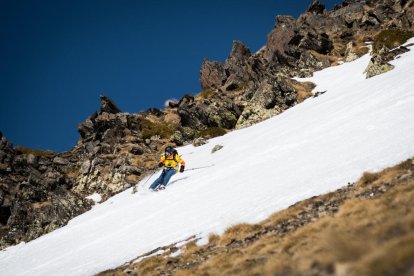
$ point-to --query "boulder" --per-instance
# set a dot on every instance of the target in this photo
(212, 75)
(316, 7)
(86, 129)
(280, 38)
(272, 96)
(186, 101)
(172, 103)
(60, 161)
(107, 127)
(199, 142)
(108, 106)
(183, 134)
(379, 62)
(32, 160)
(202, 114)
(85, 167)
(216, 148)
(137, 150)
(236, 66)
(178, 138)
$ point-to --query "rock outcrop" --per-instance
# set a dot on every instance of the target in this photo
(299, 47)
(212, 75)
(386, 47)
(35, 193)
(108, 106)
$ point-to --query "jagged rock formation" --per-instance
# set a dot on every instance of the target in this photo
(40, 191)
(213, 111)
(35, 194)
(115, 149)
(108, 106)
(316, 40)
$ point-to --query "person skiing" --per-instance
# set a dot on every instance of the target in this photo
(170, 160)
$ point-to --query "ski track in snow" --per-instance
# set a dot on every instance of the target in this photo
(318, 146)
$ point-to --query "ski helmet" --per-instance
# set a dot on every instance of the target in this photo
(169, 150)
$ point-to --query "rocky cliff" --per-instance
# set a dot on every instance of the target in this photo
(36, 193)
(41, 191)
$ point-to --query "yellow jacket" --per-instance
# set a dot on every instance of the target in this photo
(172, 161)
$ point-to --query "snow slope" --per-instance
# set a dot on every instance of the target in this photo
(318, 146)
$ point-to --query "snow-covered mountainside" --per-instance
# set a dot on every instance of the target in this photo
(357, 125)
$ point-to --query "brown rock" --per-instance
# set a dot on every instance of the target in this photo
(236, 66)
(212, 75)
(278, 40)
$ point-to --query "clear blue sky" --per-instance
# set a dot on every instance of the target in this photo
(57, 57)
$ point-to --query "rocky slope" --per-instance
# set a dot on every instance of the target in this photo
(36, 193)
(40, 191)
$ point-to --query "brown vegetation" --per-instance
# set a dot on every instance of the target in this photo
(211, 132)
(35, 152)
(360, 50)
(206, 94)
(362, 229)
(303, 89)
(391, 39)
(162, 129)
(332, 59)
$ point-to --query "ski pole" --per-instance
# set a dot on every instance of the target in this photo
(149, 177)
(197, 168)
(134, 190)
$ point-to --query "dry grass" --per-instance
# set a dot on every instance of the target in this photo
(39, 205)
(386, 175)
(368, 178)
(238, 232)
(35, 152)
(149, 265)
(206, 94)
(211, 132)
(360, 50)
(390, 39)
(378, 233)
(109, 156)
(359, 44)
(406, 165)
(73, 172)
(213, 239)
(190, 248)
(332, 59)
(303, 89)
(161, 129)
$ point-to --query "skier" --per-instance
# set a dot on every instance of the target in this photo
(170, 160)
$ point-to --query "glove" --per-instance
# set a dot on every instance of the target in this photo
(160, 165)
(181, 169)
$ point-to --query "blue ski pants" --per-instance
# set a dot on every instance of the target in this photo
(163, 178)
